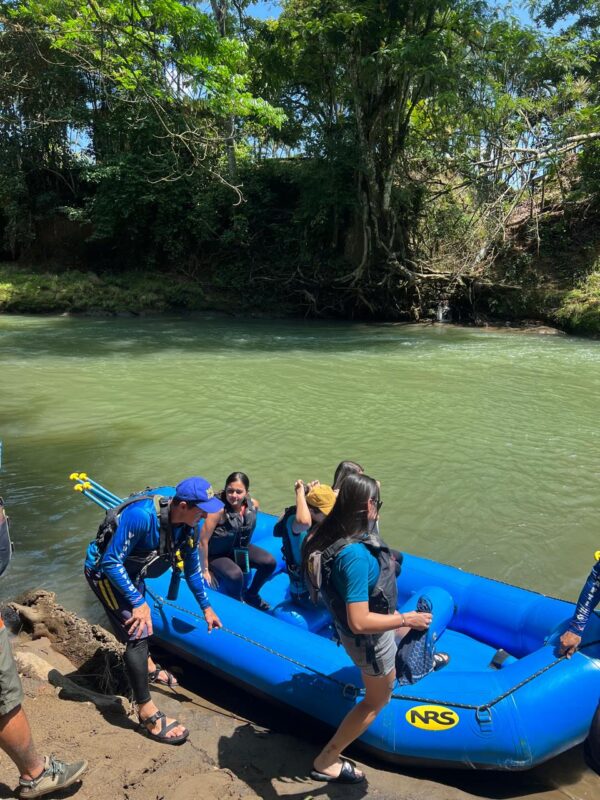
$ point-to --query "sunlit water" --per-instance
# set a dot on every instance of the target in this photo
(486, 444)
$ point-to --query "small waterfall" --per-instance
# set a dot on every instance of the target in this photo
(443, 313)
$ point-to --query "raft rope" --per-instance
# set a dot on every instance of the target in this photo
(351, 691)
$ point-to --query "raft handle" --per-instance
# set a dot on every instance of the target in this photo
(483, 715)
(351, 692)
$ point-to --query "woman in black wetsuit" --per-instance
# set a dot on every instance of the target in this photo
(225, 546)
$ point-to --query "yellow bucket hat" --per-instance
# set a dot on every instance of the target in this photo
(321, 497)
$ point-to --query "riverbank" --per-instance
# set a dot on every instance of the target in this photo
(238, 747)
(30, 291)
(25, 290)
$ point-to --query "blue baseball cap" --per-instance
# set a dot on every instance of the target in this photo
(198, 492)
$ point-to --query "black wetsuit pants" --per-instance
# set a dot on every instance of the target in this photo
(225, 569)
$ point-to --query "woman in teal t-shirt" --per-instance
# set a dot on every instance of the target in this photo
(349, 580)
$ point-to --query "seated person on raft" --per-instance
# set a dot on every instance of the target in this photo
(225, 544)
(343, 469)
(313, 503)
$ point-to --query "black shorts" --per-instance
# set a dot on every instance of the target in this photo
(117, 608)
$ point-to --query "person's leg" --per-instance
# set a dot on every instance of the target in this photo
(377, 696)
(17, 742)
(227, 570)
(15, 733)
(136, 656)
(592, 743)
(37, 775)
(264, 563)
(160, 675)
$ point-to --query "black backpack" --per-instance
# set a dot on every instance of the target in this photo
(6, 546)
(281, 525)
(110, 522)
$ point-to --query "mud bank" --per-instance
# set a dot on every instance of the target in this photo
(239, 747)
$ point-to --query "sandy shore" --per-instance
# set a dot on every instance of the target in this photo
(238, 748)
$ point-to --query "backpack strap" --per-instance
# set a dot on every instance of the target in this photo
(161, 506)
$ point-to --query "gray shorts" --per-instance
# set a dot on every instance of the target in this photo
(381, 661)
(11, 691)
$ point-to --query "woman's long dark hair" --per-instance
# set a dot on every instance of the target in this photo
(348, 517)
(238, 476)
(343, 469)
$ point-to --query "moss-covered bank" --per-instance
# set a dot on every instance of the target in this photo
(25, 290)
(29, 291)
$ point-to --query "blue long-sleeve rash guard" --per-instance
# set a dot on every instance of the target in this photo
(588, 600)
(139, 529)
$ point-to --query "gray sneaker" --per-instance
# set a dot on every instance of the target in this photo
(56, 776)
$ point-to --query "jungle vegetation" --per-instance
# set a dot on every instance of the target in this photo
(366, 158)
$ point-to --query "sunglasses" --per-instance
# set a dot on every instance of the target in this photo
(378, 503)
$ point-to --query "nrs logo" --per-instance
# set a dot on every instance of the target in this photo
(432, 718)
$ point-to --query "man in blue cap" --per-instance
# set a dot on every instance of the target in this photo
(151, 534)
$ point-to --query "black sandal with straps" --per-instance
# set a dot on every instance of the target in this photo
(162, 736)
(154, 677)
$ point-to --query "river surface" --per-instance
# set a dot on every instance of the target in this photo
(486, 444)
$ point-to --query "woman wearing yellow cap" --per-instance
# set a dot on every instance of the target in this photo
(313, 503)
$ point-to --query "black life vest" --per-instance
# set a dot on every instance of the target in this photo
(281, 531)
(383, 597)
(235, 531)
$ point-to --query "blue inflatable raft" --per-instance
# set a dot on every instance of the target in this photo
(509, 715)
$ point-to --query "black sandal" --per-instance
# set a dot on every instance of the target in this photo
(171, 680)
(348, 774)
(161, 736)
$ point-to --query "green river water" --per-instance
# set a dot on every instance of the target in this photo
(486, 444)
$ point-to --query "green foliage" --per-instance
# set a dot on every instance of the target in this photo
(81, 292)
(579, 311)
(352, 156)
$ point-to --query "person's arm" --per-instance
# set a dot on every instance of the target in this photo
(135, 526)
(207, 530)
(361, 620)
(587, 602)
(193, 575)
(303, 519)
